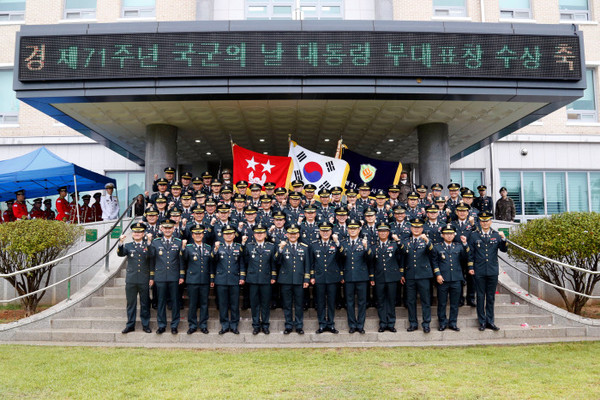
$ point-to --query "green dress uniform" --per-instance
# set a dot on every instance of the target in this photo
(386, 261)
(229, 270)
(199, 274)
(325, 269)
(355, 271)
(294, 271)
(137, 281)
(448, 259)
(260, 269)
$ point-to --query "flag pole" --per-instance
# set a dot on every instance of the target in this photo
(338, 151)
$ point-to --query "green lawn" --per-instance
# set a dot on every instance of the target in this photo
(569, 371)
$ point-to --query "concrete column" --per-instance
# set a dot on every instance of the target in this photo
(161, 151)
(384, 9)
(205, 10)
(434, 154)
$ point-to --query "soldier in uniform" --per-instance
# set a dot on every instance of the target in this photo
(405, 187)
(186, 182)
(230, 274)
(382, 210)
(206, 182)
(87, 212)
(447, 257)
(309, 194)
(432, 227)
(364, 201)
(394, 194)
(417, 274)
(270, 189)
(386, 261)
(327, 212)
(453, 201)
(505, 207)
(483, 266)
(254, 199)
(196, 185)
(413, 209)
(276, 235)
(309, 230)
(261, 273)
(62, 205)
(7, 215)
(354, 211)
(226, 176)
(241, 188)
(483, 202)
(75, 209)
(215, 188)
(109, 204)
(199, 277)
(266, 213)
(162, 184)
(48, 213)
(165, 253)
(36, 211)
(355, 254)
(139, 276)
(96, 206)
(464, 227)
(19, 207)
(325, 275)
(169, 178)
(400, 228)
(293, 276)
(293, 212)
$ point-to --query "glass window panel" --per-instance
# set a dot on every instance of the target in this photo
(282, 10)
(472, 179)
(328, 11)
(578, 191)
(309, 11)
(80, 4)
(12, 5)
(573, 4)
(456, 176)
(257, 10)
(588, 101)
(514, 4)
(595, 188)
(139, 3)
(8, 98)
(533, 193)
(556, 194)
(448, 3)
(512, 182)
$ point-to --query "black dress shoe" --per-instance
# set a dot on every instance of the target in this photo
(255, 331)
(147, 329)
(319, 331)
(461, 302)
(426, 329)
(235, 331)
(154, 306)
(411, 329)
(492, 327)
(454, 328)
(392, 329)
(361, 331)
(470, 303)
(381, 330)
(300, 331)
(338, 307)
(351, 330)
(204, 330)
(223, 331)
(190, 331)
(482, 327)
(266, 331)
(160, 331)
(174, 331)
(128, 329)
(287, 331)
(442, 328)
(334, 331)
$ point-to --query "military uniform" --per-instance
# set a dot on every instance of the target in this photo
(260, 270)
(505, 209)
(229, 270)
(465, 228)
(199, 274)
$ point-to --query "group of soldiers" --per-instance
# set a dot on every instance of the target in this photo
(296, 250)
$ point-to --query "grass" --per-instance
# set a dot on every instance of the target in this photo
(553, 371)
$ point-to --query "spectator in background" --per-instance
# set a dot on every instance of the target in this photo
(505, 207)
(140, 206)
(50, 215)
(109, 203)
(96, 206)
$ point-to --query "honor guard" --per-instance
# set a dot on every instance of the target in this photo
(165, 265)
(62, 205)
(19, 207)
(36, 211)
(87, 212)
(138, 276)
(447, 257)
(48, 213)
(294, 274)
(483, 266)
(325, 275)
(199, 278)
(261, 273)
(355, 253)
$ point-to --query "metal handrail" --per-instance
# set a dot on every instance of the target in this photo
(71, 254)
(546, 282)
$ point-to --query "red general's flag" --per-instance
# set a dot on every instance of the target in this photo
(260, 168)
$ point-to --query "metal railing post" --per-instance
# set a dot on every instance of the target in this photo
(106, 259)
(69, 281)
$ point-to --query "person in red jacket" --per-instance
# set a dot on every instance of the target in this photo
(97, 207)
(50, 215)
(8, 215)
(36, 211)
(19, 207)
(87, 212)
(62, 205)
(75, 209)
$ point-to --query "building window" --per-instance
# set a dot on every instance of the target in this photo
(293, 9)
(512, 182)
(449, 8)
(533, 193)
(556, 193)
(12, 10)
(467, 178)
(515, 9)
(9, 105)
(584, 109)
(574, 10)
(80, 9)
(578, 191)
(139, 9)
(129, 185)
(595, 191)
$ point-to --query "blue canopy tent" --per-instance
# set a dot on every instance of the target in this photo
(42, 172)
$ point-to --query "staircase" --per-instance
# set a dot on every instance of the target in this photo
(101, 317)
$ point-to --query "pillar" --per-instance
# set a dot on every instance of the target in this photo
(205, 10)
(434, 154)
(384, 9)
(161, 151)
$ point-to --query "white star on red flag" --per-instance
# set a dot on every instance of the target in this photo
(252, 163)
(268, 166)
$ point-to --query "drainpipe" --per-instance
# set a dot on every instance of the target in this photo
(482, 6)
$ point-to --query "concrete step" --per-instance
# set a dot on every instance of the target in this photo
(341, 323)
(277, 337)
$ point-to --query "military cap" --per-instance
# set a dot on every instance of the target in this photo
(440, 199)
(417, 222)
(198, 229)
(341, 211)
(227, 189)
(310, 209)
(399, 210)
(353, 223)
(453, 186)
(241, 184)
(226, 171)
(310, 188)
(336, 190)
(468, 193)
(295, 196)
(176, 185)
(463, 207)
(463, 190)
(215, 183)
(369, 211)
(432, 209)
(228, 229)
(437, 186)
(448, 228)
(297, 183)
(109, 185)
(168, 223)
(255, 186)
(280, 190)
(481, 187)
(18, 192)
(503, 189)
(162, 181)
(206, 175)
(260, 228)
(421, 188)
(73, 194)
(250, 210)
(394, 188)
(84, 197)
(485, 216)
(174, 212)
(293, 229)
(239, 198)
(278, 215)
(39, 199)
(200, 195)
(380, 194)
(186, 175)
(198, 209)
(197, 180)
(47, 201)
(10, 201)
(97, 195)
(270, 185)
(169, 170)
(364, 186)
(210, 202)
(324, 193)
(186, 195)
(65, 189)
(151, 211)
(383, 227)
(325, 226)
(138, 227)
(265, 198)
(351, 193)
(161, 199)
(413, 195)
(224, 207)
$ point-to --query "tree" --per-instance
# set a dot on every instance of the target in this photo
(25, 244)
(572, 238)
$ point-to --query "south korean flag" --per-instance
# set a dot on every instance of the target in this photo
(322, 171)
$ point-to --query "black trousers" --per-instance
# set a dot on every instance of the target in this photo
(325, 294)
(422, 287)
(340, 298)
(276, 296)
(445, 290)
(260, 303)
(154, 300)
(167, 291)
(229, 306)
(245, 297)
(198, 295)
(486, 296)
(386, 303)
(358, 291)
(308, 298)
(292, 297)
(132, 290)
